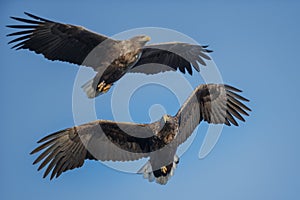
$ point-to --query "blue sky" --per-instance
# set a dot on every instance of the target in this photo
(255, 48)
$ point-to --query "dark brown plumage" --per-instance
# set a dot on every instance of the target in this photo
(120, 141)
(110, 58)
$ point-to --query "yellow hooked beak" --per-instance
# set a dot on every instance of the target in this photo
(147, 38)
(166, 118)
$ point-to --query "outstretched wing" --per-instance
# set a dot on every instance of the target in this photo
(214, 103)
(56, 41)
(171, 56)
(98, 140)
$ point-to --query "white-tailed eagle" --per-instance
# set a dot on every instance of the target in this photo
(121, 141)
(110, 58)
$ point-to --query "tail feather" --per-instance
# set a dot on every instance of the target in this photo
(146, 170)
(88, 88)
(158, 175)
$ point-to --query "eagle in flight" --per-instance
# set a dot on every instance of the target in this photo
(110, 58)
(123, 141)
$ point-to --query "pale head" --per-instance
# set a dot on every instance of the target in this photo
(141, 40)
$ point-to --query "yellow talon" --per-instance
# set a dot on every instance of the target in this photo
(103, 87)
(164, 169)
(100, 86)
(106, 88)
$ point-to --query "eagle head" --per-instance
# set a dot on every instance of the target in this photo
(166, 120)
(140, 40)
(168, 127)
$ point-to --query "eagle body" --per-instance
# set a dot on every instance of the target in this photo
(118, 68)
(164, 159)
(111, 68)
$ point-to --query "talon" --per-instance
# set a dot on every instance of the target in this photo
(103, 87)
(164, 169)
(106, 88)
(100, 86)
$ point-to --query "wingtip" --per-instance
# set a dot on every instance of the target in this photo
(41, 167)
(52, 176)
(35, 150)
(32, 152)
(229, 87)
(45, 175)
(41, 140)
(15, 18)
(34, 162)
(29, 14)
(36, 17)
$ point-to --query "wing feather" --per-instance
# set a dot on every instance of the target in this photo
(234, 112)
(99, 140)
(56, 41)
(213, 103)
(175, 55)
(231, 119)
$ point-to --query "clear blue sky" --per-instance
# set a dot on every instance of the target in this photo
(256, 47)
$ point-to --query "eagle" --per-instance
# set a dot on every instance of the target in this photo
(111, 59)
(106, 140)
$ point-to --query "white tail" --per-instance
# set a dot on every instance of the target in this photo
(89, 89)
